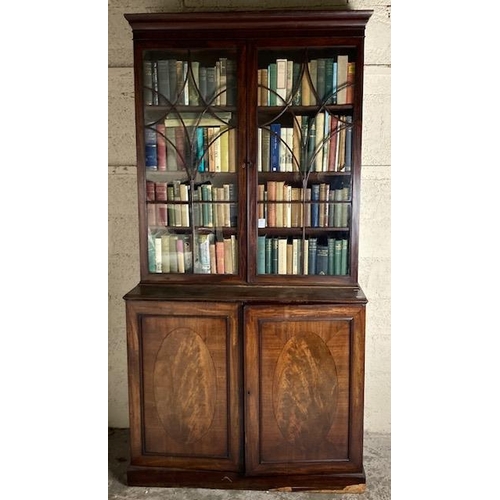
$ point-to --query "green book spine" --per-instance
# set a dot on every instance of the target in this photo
(297, 87)
(147, 82)
(268, 250)
(343, 257)
(331, 256)
(151, 253)
(322, 260)
(261, 255)
(274, 256)
(320, 79)
(338, 257)
(272, 75)
(329, 80)
(312, 250)
(163, 81)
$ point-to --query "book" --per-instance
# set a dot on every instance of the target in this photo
(154, 67)
(322, 260)
(348, 144)
(268, 255)
(271, 206)
(313, 72)
(312, 249)
(147, 82)
(161, 214)
(151, 252)
(202, 263)
(315, 188)
(344, 257)
(351, 68)
(281, 79)
(337, 268)
(184, 197)
(161, 151)
(321, 78)
(231, 82)
(280, 187)
(265, 147)
(342, 61)
(165, 253)
(163, 81)
(332, 158)
(318, 147)
(203, 83)
(305, 89)
(151, 156)
(211, 84)
(271, 83)
(261, 255)
(331, 256)
(297, 86)
(219, 255)
(274, 147)
(282, 256)
(158, 254)
(194, 83)
(150, 191)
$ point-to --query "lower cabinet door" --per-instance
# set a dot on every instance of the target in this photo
(184, 380)
(304, 377)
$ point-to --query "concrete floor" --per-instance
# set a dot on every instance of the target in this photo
(377, 466)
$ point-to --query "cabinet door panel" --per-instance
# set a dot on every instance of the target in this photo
(186, 378)
(303, 382)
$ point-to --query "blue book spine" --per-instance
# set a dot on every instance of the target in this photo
(150, 149)
(275, 147)
(200, 149)
(314, 206)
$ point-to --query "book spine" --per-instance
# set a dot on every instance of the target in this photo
(275, 140)
(147, 83)
(161, 147)
(315, 205)
(261, 255)
(151, 155)
(163, 81)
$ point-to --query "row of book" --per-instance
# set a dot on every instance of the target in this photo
(174, 253)
(283, 205)
(322, 80)
(321, 143)
(302, 257)
(212, 206)
(189, 83)
(177, 145)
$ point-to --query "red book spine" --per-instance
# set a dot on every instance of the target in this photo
(150, 191)
(161, 191)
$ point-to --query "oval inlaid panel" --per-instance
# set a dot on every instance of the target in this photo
(184, 386)
(305, 390)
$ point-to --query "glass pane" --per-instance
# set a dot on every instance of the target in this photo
(190, 161)
(304, 164)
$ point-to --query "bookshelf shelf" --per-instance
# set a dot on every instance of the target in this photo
(248, 247)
